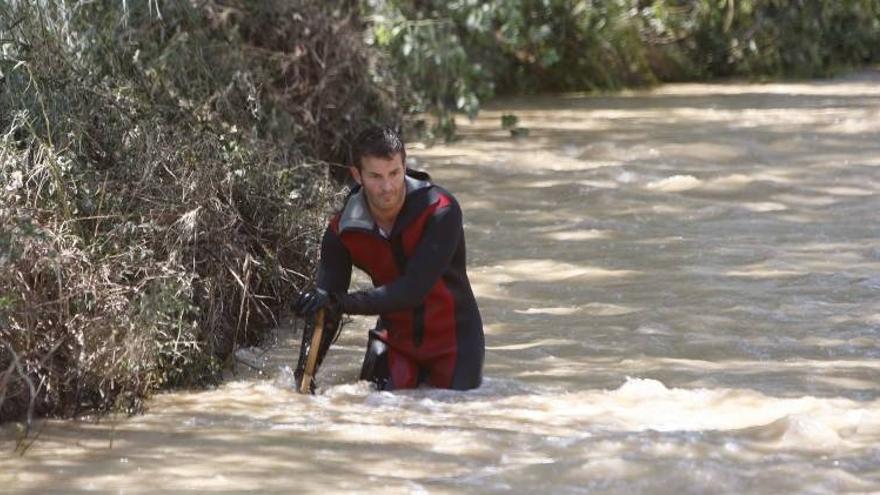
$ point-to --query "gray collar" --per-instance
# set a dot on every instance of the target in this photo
(356, 213)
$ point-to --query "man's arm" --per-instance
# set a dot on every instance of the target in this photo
(334, 270)
(334, 275)
(423, 269)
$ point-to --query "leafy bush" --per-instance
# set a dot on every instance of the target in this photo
(456, 53)
(163, 176)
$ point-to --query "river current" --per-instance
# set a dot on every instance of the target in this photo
(681, 294)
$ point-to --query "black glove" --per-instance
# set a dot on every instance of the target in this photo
(309, 302)
(307, 305)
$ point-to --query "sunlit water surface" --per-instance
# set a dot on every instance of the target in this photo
(680, 290)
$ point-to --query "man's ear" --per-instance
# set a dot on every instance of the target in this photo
(355, 174)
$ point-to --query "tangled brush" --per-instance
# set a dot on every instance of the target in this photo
(163, 179)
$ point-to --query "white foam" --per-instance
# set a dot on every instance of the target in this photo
(806, 431)
(641, 388)
(676, 183)
(562, 310)
(627, 177)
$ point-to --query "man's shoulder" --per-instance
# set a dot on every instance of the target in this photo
(432, 196)
(441, 197)
(421, 182)
(354, 213)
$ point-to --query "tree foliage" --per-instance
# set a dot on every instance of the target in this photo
(456, 53)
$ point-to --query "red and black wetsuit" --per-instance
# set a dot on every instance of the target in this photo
(421, 289)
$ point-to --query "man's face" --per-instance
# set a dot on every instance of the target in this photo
(383, 182)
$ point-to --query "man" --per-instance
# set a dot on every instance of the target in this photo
(406, 234)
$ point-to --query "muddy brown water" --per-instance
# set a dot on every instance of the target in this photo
(681, 290)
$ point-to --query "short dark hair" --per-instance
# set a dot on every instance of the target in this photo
(378, 141)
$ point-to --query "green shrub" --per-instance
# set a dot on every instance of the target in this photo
(457, 53)
(163, 181)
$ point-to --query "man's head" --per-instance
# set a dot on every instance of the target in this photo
(379, 167)
(379, 142)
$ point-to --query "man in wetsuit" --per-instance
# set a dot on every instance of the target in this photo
(406, 233)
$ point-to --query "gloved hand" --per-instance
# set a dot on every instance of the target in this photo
(309, 302)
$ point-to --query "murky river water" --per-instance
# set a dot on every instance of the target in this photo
(682, 295)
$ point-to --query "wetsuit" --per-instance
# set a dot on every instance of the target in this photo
(421, 292)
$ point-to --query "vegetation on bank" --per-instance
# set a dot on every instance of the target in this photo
(164, 164)
(454, 54)
(163, 178)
